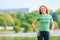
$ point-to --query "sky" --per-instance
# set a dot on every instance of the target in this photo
(31, 4)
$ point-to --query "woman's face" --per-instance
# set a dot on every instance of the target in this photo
(43, 9)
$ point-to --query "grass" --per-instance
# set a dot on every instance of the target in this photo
(26, 38)
(6, 30)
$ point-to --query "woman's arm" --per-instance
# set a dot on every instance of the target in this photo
(33, 25)
(52, 24)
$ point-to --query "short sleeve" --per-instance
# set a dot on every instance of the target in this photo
(37, 18)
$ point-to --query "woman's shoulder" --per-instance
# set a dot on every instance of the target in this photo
(38, 16)
(49, 15)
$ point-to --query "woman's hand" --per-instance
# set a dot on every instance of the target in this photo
(51, 32)
(38, 33)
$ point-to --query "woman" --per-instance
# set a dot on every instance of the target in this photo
(44, 20)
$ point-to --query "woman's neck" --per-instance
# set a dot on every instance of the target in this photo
(44, 14)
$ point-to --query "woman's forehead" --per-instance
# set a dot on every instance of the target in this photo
(43, 7)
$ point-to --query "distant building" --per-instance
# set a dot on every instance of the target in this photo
(25, 10)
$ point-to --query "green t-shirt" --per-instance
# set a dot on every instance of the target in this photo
(44, 22)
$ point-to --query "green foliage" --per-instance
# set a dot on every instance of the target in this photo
(58, 16)
(8, 18)
(27, 26)
(20, 20)
(2, 21)
(17, 28)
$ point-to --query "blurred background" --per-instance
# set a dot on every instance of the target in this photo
(16, 16)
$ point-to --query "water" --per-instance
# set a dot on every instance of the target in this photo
(27, 34)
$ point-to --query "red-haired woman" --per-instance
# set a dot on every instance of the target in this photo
(44, 20)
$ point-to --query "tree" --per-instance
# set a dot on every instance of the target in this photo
(3, 22)
(9, 19)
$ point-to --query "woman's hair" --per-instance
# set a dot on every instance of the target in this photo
(40, 9)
